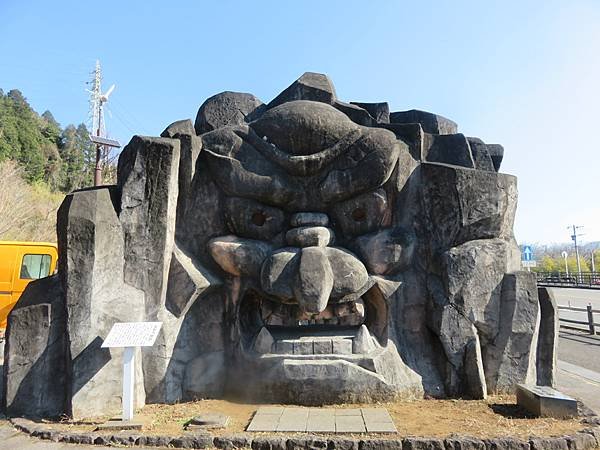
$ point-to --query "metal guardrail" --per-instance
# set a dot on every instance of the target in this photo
(576, 279)
(590, 316)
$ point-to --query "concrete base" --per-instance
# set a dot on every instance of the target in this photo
(543, 401)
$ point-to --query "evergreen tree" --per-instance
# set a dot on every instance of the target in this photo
(63, 159)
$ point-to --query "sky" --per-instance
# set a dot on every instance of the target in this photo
(525, 74)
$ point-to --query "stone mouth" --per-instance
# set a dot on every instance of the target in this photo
(270, 328)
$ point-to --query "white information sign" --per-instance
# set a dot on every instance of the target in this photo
(529, 264)
(132, 334)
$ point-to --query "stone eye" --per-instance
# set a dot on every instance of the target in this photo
(359, 214)
(258, 218)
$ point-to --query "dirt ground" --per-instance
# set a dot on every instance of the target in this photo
(494, 417)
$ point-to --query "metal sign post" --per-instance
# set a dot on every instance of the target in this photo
(130, 335)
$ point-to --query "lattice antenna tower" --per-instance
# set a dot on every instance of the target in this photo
(97, 127)
(94, 116)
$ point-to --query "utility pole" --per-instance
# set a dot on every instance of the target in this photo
(574, 237)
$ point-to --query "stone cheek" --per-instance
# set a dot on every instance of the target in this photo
(386, 252)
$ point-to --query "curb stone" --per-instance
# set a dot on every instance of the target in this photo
(582, 440)
(594, 432)
(233, 441)
(416, 443)
(342, 444)
(464, 443)
(306, 443)
(506, 443)
(555, 443)
(265, 443)
(380, 444)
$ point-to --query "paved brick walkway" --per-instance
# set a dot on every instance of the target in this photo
(324, 420)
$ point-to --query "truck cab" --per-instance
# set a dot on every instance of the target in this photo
(20, 263)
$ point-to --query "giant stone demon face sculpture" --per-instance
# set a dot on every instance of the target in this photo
(305, 194)
(364, 255)
(305, 251)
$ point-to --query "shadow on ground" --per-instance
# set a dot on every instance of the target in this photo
(511, 411)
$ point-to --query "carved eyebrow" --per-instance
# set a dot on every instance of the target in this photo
(300, 165)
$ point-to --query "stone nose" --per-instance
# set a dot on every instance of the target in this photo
(310, 230)
(314, 280)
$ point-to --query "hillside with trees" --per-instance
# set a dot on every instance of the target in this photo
(39, 163)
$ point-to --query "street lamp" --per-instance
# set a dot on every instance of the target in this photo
(565, 255)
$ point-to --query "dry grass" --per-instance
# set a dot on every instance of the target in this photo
(27, 213)
(497, 416)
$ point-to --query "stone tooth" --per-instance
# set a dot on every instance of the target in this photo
(342, 346)
(362, 342)
(264, 341)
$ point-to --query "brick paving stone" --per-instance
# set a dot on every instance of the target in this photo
(380, 427)
(293, 419)
(270, 410)
(321, 420)
(349, 424)
(264, 422)
(380, 414)
(321, 412)
(348, 412)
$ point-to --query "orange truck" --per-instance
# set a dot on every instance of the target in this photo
(20, 263)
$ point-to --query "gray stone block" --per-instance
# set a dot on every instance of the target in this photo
(310, 86)
(379, 111)
(227, 108)
(342, 444)
(506, 443)
(306, 443)
(234, 441)
(431, 123)
(411, 443)
(269, 443)
(464, 443)
(581, 441)
(547, 347)
(556, 443)
(91, 252)
(35, 358)
(383, 444)
(543, 401)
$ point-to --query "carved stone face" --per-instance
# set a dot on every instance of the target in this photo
(308, 206)
(305, 251)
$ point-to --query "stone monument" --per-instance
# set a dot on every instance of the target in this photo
(304, 251)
